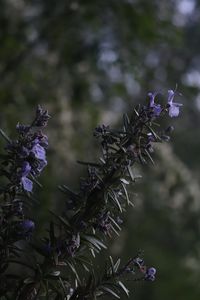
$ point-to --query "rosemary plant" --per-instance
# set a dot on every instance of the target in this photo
(60, 265)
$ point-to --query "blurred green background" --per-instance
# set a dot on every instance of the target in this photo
(87, 62)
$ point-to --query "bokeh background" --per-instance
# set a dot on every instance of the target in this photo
(87, 62)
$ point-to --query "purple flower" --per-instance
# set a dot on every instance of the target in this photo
(173, 106)
(28, 152)
(155, 107)
(28, 226)
(25, 171)
(27, 184)
(39, 152)
(150, 274)
(26, 168)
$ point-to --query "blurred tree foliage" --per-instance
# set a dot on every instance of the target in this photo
(86, 61)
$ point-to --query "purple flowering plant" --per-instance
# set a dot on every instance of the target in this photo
(59, 264)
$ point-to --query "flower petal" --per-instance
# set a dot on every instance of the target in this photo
(26, 168)
(39, 152)
(174, 110)
(27, 184)
(171, 94)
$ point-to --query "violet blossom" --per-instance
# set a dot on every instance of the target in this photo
(26, 228)
(174, 107)
(150, 274)
(156, 108)
(28, 152)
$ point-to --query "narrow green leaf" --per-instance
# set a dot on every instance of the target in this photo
(82, 260)
(137, 114)
(122, 286)
(124, 180)
(115, 200)
(149, 156)
(111, 269)
(109, 291)
(73, 270)
(130, 173)
(111, 261)
(117, 264)
(126, 194)
(115, 223)
(94, 241)
(113, 229)
(154, 133)
(4, 135)
(93, 253)
(35, 181)
(126, 122)
(102, 160)
(54, 274)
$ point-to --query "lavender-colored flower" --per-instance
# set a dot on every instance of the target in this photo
(26, 168)
(174, 107)
(25, 171)
(27, 154)
(28, 226)
(150, 274)
(27, 184)
(156, 108)
(39, 152)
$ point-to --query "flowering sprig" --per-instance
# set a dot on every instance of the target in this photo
(174, 107)
(110, 283)
(23, 161)
(92, 214)
(26, 156)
